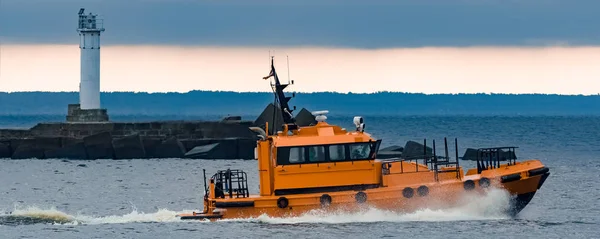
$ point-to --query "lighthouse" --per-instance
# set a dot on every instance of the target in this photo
(88, 109)
(89, 44)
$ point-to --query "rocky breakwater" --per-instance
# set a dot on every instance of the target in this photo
(229, 138)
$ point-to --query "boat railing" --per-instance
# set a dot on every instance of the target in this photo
(490, 158)
(442, 165)
(433, 162)
(416, 160)
(231, 183)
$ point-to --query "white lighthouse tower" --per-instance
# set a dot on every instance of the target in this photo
(89, 110)
(89, 42)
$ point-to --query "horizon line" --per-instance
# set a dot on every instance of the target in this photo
(305, 92)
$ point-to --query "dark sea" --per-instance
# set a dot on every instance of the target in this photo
(139, 198)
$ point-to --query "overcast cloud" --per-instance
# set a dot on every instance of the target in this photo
(362, 24)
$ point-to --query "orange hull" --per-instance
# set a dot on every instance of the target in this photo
(440, 194)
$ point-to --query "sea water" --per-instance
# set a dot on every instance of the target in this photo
(140, 198)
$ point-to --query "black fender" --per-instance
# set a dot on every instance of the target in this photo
(423, 191)
(511, 178)
(360, 197)
(282, 202)
(469, 185)
(408, 192)
(325, 200)
(484, 182)
(538, 171)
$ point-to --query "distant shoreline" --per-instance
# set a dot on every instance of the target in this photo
(300, 92)
(211, 103)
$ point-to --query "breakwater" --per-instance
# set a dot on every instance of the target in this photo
(225, 139)
(229, 138)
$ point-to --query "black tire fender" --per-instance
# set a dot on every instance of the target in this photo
(484, 182)
(423, 191)
(408, 192)
(360, 197)
(325, 200)
(538, 171)
(511, 178)
(282, 202)
(469, 185)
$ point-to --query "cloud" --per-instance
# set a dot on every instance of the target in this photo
(333, 23)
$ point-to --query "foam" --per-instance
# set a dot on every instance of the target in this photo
(490, 206)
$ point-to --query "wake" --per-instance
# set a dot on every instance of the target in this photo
(36, 215)
(491, 206)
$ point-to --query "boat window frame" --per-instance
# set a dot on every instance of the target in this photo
(301, 159)
(374, 148)
(317, 154)
(342, 159)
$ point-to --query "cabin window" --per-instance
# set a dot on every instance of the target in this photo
(297, 155)
(360, 151)
(290, 155)
(337, 152)
(327, 153)
(316, 154)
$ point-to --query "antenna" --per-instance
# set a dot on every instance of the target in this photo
(270, 56)
(288, 67)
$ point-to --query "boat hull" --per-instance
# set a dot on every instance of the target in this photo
(397, 198)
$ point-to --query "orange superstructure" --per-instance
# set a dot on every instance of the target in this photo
(324, 166)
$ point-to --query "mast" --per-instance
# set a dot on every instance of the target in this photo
(280, 97)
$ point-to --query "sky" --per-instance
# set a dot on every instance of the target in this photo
(430, 46)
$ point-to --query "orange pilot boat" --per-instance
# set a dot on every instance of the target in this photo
(325, 167)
